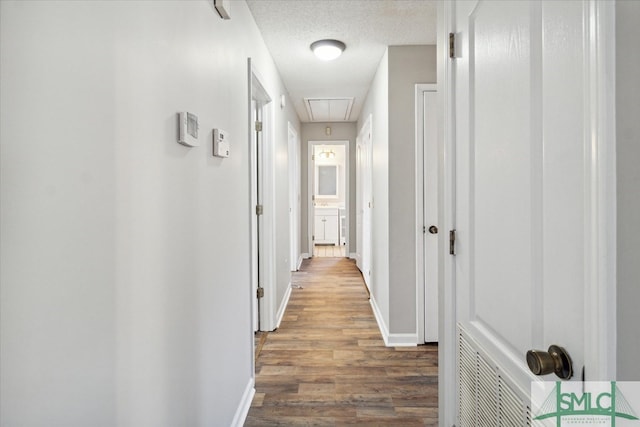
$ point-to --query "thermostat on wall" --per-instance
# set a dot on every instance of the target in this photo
(188, 129)
(220, 143)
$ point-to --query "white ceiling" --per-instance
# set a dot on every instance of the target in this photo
(365, 26)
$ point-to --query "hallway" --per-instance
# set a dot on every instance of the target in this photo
(327, 363)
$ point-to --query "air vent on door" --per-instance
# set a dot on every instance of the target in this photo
(486, 395)
(329, 109)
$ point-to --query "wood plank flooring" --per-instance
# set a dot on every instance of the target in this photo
(327, 364)
(329, 251)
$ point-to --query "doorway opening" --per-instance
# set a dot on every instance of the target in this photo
(329, 202)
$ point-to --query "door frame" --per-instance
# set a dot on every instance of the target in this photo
(294, 198)
(447, 390)
(310, 190)
(600, 205)
(262, 226)
(421, 232)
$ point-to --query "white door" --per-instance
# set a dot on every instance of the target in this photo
(262, 220)
(430, 213)
(363, 201)
(255, 308)
(528, 216)
(256, 224)
(359, 202)
(294, 197)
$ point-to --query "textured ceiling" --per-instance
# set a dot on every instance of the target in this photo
(365, 26)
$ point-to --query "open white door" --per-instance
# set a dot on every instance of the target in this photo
(359, 201)
(363, 201)
(294, 197)
(533, 171)
(262, 204)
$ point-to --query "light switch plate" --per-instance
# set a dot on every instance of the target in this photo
(220, 143)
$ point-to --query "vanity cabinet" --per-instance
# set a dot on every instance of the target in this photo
(326, 226)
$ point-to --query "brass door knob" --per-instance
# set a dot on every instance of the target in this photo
(556, 360)
(433, 229)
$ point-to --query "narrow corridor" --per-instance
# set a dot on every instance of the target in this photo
(327, 364)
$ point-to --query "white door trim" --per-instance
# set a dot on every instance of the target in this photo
(420, 224)
(310, 189)
(265, 194)
(600, 231)
(447, 395)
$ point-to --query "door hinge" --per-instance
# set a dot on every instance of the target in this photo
(258, 209)
(258, 126)
(452, 242)
(452, 45)
(313, 237)
(260, 293)
(424, 229)
(313, 157)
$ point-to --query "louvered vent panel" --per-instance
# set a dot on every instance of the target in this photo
(512, 411)
(466, 383)
(487, 390)
(486, 396)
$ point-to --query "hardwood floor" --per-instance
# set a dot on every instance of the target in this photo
(327, 364)
(330, 251)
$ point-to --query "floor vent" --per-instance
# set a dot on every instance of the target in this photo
(486, 398)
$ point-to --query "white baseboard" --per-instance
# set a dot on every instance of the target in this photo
(381, 325)
(245, 404)
(283, 306)
(392, 340)
(353, 255)
(402, 340)
(304, 255)
(300, 258)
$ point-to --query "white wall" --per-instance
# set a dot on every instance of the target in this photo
(408, 65)
(628, 135)
(316, 132)
(377, 105)
(392, 104)
(282, 175)
(124, 296)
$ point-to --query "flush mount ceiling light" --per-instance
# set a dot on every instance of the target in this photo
(328, 50)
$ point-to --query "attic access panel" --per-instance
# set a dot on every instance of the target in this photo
(329, 109)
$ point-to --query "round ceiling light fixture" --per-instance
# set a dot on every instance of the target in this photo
(328, 49)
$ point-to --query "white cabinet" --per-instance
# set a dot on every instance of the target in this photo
(326, 226)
